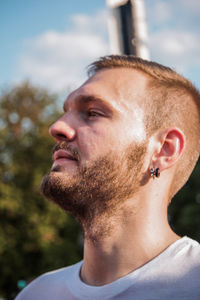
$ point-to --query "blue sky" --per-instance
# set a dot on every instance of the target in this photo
(50, 42)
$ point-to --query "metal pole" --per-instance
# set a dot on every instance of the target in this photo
(127, 27)
(140, 26)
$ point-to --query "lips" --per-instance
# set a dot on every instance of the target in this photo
(63, 154)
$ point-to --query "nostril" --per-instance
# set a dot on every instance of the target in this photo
(61, 136)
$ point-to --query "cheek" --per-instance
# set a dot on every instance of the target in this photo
(101, 139)
(134, 127)
(93, 142)
(136, 134)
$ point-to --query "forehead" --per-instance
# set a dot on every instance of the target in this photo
(121, 88)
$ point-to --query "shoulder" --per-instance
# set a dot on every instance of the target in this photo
(50, 285)
(192, 254)
(186, 251)
(185, 261)
(191, 248)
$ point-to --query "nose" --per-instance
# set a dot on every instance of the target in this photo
(61, 130)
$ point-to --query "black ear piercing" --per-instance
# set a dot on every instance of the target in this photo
(155, 172)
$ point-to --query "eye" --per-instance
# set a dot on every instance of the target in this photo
(93, 113)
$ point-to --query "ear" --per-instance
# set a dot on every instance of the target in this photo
(171, 146)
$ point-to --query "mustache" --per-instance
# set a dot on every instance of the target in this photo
(65, 146)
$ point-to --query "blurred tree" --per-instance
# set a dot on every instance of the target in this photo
(184, 211)
(35, 236)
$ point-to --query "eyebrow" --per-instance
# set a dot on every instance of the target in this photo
(84, 99)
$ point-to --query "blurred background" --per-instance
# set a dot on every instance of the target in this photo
(45, 49)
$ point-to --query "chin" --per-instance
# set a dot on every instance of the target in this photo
(57, 168)
(62, 169)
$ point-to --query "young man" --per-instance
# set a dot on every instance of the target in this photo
(128, 140)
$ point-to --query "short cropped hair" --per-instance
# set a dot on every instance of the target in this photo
(172, 100)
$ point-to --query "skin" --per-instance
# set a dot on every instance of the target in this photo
(140, 229)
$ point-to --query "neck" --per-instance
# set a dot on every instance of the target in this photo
(117, 244)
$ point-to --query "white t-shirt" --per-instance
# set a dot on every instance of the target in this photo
(174, 275)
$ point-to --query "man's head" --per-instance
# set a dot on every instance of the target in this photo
(128, 116)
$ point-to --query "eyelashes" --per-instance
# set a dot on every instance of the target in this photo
(93, 113)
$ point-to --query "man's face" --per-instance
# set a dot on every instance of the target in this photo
(101, 144)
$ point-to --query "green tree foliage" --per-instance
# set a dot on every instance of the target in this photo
(35, 235)
(184, 211)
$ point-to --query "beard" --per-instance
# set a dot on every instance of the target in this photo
(98, 188)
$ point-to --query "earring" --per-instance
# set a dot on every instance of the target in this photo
(155, 172)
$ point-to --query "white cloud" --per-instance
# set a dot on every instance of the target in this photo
(192, 6)
(175, 44)
(159, 13)
(183, 13)
(177, 49)
(57, 60)
(174, 34)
